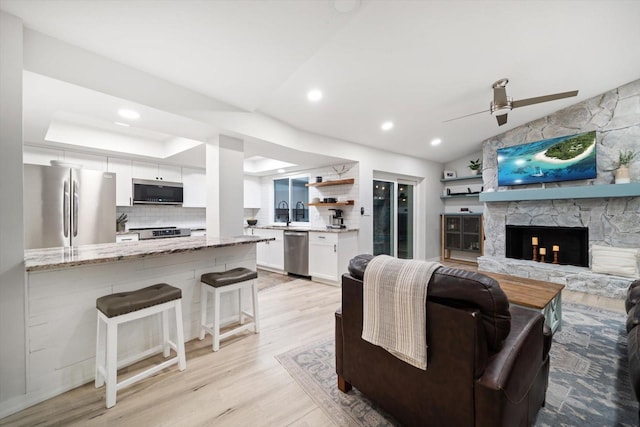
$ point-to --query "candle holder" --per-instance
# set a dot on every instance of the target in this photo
(535, 253)
(543, 253)
(555, 257)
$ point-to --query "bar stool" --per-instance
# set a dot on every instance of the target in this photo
(236, 279)
(124, 307)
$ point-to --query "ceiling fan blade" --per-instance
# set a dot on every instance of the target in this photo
(500, 95)
(545, 98)
(468, 115)
(502, 119)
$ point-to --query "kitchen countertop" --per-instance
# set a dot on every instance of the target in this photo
(297, 228)
(62, 257)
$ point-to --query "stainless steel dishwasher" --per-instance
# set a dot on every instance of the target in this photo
(296, 252)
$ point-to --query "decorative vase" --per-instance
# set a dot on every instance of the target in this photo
(622, 175)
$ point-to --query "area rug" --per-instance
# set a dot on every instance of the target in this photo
(588, 382)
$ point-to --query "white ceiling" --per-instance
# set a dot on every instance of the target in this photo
(417, 63)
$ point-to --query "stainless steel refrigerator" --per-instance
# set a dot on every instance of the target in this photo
(68, 206)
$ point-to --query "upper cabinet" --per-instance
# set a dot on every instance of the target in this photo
(195, 188)
(44, 156)
(252, 191)
(154, 171)
(41, 156)
(87, 161)
(122, 169)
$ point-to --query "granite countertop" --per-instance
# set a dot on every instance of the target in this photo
(297, 228)
(48, 258)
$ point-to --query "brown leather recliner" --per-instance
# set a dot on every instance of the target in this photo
(488, 362)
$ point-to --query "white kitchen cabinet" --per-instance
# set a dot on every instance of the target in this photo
(87, 161)
(194, 188)
(130, 237)
(270, 255)
(123, 171)
(329, 255)
(252, 192)
(154, 171)
(40, 156)
(198, 233)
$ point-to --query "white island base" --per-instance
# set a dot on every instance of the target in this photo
(61, 313)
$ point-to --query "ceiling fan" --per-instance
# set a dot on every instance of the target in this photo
(502, 104)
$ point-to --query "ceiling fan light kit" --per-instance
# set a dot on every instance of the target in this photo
(502, 104)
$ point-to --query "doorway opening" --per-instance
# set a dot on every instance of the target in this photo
(394, 218)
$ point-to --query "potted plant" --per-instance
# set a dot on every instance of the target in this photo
(475, 166)
(622, 173)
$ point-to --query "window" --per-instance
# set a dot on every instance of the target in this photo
(290, 196)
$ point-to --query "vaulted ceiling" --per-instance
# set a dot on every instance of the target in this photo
(416, 63)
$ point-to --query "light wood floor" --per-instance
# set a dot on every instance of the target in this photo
(240, 385)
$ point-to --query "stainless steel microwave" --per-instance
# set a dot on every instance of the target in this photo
(150, 192)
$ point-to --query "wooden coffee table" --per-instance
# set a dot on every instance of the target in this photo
(545, 296)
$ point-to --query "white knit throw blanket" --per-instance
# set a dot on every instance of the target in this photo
(394, 307)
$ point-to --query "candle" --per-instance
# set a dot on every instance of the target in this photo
(534, 241)
(556, 248)
(543, 251)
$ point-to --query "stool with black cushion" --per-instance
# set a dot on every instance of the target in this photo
(217, 283)
(124, 307)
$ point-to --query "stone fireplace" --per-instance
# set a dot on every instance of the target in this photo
(606, 221)
(610, 219)
(572, 244)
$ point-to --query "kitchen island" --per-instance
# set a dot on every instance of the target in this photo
(62, 286)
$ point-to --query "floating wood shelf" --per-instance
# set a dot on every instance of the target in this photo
(461, 178)
(347, 203)
(335, 182)
(460, 196)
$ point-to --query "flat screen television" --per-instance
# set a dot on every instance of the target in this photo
(566, 158)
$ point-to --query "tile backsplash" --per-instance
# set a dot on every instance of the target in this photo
(163, 216)
(319, 216)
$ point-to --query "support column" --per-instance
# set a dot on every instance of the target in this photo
(225, 186)
(12, 273)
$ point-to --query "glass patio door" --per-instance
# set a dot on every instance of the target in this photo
(393, 218)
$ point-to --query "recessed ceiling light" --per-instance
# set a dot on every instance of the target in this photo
(436, 141)
(129, 114)
(121, 124)
(314, 95)
(387, 126)
(280, 170)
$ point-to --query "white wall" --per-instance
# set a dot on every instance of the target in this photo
(318, 215)
(12, 298)
(54, 58)
(461, 165)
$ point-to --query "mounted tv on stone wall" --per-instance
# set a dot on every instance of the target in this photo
(566, 158)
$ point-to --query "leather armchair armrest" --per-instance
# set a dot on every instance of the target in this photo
(338, 343)
(633, 353)
(548, 337)
(511, 372)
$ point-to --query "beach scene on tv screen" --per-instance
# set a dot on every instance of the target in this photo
(566, 158)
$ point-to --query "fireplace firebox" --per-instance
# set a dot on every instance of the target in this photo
(573, 243)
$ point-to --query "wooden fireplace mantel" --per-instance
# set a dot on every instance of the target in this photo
(579, 192)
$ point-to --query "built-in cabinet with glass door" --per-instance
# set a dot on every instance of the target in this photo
(462, 236)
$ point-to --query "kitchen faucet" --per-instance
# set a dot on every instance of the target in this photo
(298, 212)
